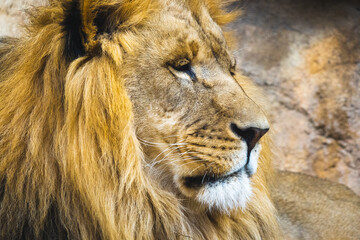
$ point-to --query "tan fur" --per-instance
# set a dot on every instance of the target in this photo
(90, 112)
(312, 208)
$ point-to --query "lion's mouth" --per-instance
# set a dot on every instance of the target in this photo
(201, 180)
(211, 179)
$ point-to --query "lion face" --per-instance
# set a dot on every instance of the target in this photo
(198, 128)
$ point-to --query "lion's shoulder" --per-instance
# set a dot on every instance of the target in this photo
(309, 206)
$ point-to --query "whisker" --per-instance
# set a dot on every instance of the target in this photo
(195, 161)
(166, 149)
(177, 135)
(165, 157)
(194, 169)
(200, 166)
(156, 143)
(202, 181)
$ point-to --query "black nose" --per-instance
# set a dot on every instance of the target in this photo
(251, 135)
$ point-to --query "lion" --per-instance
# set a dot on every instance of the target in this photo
(128, 120)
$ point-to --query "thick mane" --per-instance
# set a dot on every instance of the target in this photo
(71, 166)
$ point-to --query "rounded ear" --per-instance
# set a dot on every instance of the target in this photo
(79, 30)
(88, 10)
(85, 21)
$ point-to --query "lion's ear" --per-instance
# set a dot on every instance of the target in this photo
(80, 26)
(85, 21)
(88, 11)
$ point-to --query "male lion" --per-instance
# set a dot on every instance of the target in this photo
(126, 120)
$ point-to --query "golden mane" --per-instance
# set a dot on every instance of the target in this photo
(71, 166)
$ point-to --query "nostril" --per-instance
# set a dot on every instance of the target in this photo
(251, 135)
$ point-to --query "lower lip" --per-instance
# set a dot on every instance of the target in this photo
(199, 181)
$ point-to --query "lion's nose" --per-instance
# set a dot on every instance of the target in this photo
(251, 135)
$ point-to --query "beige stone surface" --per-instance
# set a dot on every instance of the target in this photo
(12, 15)
(306, 56)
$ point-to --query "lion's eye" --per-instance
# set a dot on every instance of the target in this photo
(184, 66)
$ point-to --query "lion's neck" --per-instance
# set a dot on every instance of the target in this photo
(258, 221)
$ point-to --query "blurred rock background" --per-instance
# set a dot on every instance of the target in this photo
(305, 54)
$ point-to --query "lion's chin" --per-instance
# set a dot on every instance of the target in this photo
(222, 192)
(225, 194)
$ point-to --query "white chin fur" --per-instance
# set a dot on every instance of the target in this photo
(254, 158)
(225, 196)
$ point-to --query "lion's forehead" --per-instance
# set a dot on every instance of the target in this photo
(176, 26)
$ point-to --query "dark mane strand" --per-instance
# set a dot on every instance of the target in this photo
(72, 27)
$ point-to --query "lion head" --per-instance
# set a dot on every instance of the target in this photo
(198, 127)
(127, 120)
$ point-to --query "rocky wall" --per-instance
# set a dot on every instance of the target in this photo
(306, 56)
